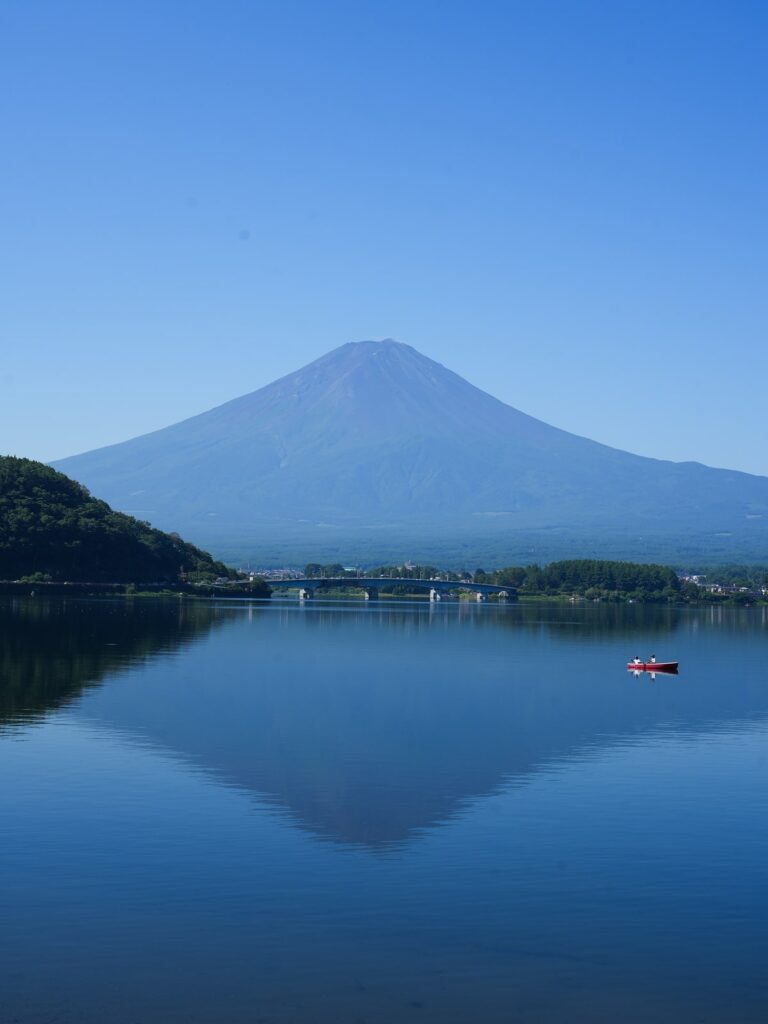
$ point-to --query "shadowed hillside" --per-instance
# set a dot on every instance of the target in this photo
(51, 526)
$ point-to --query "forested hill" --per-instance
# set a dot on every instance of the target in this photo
(52, 526)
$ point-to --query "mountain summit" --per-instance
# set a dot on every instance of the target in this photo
(375, 435)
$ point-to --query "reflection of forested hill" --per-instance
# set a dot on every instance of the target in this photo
(50, 650)
(371, 725)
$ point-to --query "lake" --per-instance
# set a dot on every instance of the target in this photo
(382, 812)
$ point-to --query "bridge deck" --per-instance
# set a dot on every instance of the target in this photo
(381, 582)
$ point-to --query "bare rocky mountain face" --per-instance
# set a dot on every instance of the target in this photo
(375, 448)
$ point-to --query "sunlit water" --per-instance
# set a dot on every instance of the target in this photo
(216, 814)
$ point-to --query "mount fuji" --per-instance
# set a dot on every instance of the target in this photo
(375, 447)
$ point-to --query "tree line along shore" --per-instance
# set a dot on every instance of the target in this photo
(590, 579)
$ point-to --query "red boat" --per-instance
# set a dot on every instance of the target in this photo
(669, 667)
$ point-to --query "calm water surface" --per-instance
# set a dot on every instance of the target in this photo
(350, 813)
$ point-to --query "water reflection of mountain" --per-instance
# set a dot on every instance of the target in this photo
(371, 725)
(51, 650)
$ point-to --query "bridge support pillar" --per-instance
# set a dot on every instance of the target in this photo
(371, 594)
(481, 597)
(305, 594)
(435, 595)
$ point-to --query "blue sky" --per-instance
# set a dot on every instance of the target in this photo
(564, 202)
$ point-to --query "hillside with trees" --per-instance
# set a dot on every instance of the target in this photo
(52, 528)
(591, 578)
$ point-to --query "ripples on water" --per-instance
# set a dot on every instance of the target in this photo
(346, 813)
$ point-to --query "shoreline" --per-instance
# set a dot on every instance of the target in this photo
(13, 588)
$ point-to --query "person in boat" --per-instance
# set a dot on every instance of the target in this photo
(636, 660)
(653, 659)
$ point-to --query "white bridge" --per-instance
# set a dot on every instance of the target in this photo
(372, 585)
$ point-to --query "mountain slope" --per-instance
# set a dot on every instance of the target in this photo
(375, 434)
(51, 525)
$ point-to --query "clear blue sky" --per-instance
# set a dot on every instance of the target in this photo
(565, 202)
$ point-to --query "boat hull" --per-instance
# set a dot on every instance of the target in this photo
(654, 666)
